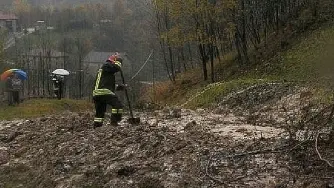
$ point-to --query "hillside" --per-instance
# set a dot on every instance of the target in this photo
(265, 122)
(308, 60)
(261, 130)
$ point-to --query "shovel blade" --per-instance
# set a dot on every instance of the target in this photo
(134, 121)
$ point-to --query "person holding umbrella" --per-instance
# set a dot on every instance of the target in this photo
(58, 81)
(16, 88)
(58, 85)
(14, 84)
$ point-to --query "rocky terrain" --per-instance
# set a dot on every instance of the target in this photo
(252, 138)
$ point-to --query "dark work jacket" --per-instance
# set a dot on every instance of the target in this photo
(105, 79)
(9, 86)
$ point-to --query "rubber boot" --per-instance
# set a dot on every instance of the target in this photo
(97, 124)
(113, 121)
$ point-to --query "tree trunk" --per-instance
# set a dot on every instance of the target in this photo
(204, 60)
(39, 73)
(243, 35)
(190, 56)
(183, 60)
(211, 62)
(171, 63)
(238, 46)
(165, 60)
(80, 77)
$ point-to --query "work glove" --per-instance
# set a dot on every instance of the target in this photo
(119, 59)
(120, 87)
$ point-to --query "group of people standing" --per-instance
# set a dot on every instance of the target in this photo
(103, 92)
(14, 86)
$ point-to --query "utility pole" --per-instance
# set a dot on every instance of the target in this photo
(80, 52)
(64, 65)
(153, 76)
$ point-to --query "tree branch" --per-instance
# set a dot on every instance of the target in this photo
(320, 157)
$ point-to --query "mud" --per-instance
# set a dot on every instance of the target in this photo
(227, 147)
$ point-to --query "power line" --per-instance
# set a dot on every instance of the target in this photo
(141, 68)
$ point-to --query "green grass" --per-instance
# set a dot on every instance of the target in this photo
(310, 59)
(213, 93)
(39, 107)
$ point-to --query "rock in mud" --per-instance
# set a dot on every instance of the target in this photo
(172, 112)
(4, 155)
(12, 136)
(126, 171)
(176, 112)
(190, 125)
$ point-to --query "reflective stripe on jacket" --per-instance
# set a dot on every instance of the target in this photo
(105, 79)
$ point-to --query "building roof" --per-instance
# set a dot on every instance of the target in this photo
(98, 57)
(38, 52)
(4, 16)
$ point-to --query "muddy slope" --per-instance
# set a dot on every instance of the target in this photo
(232, 146)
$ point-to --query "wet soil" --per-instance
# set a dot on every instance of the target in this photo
(238, 144)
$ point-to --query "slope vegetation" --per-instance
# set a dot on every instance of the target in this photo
(308, 61)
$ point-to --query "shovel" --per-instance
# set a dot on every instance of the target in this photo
(132, 120)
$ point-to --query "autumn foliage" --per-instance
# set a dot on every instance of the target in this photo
(214, 28)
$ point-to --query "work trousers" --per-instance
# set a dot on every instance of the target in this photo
(101, 102)
(59, 93)
(10, 98)
(13, 97)
(16, 97)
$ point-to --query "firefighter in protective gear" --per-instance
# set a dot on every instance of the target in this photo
(104, 92)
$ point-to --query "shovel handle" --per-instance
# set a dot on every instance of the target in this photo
(127, 95)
